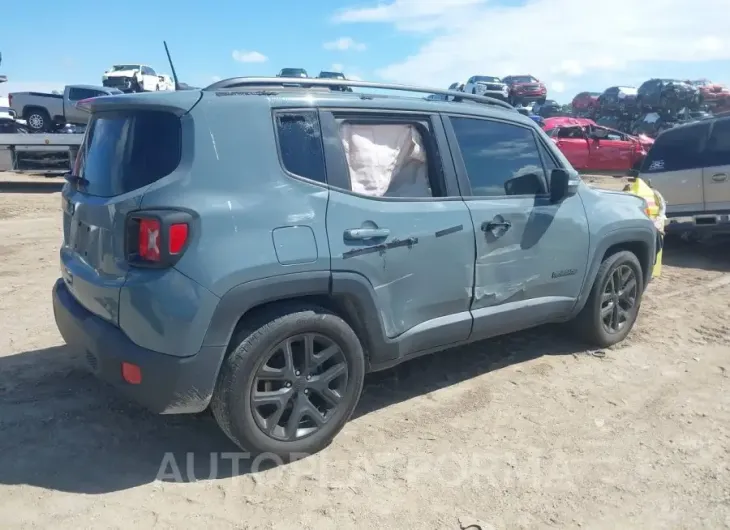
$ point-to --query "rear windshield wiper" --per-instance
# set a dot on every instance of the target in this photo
(75, 179)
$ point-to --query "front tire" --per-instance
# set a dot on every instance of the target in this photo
(614, 301)
(292, 382)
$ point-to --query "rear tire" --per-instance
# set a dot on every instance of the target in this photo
(605, 295)
(260, 352)
(38, 120)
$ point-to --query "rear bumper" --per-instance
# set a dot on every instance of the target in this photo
(701, 224)
(170, 384)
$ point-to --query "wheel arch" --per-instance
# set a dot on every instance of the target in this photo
(640, 241)
(348, 295)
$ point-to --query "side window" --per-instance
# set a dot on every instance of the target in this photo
(150, 71)
(500, 158)
(77, 94)
(391, 159)
(676, 150)
(471, 80)
(547, 159)
(718, 146)
(300, 144)
(571, 132)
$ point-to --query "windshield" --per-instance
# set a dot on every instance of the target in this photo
(487, 79)
(524, 79)
(122, 67)
(124, 151)
(331, 75)
(293, 72)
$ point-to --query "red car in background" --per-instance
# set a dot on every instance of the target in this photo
(525, 88)
(713, 94)
(585, 104)
(591, 148)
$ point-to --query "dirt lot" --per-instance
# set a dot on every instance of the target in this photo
(528, 431)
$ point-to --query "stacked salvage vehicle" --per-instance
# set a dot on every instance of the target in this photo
(657, 105)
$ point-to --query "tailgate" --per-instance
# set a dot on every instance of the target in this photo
(124, 151)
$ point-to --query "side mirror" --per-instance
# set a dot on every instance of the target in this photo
(562, 185)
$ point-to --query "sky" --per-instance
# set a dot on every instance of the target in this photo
(571, 45)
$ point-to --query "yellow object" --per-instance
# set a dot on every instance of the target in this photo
(655, 210)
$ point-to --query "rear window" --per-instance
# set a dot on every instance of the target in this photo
(677, 150)
(126, 151)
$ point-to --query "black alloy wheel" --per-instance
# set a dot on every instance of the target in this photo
(299, 386)
(619, 298)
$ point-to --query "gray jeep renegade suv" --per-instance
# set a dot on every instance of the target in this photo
(259, 246)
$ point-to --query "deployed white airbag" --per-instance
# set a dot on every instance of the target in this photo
(386, 160)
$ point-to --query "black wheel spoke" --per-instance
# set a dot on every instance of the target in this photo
(607, 310)
(628, 289)
(325, 355)
(615, 317)
(278, 398)
(299, 386)
(605, 298)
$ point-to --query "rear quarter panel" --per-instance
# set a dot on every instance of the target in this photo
(242, 195)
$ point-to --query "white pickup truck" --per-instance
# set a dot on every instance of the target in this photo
(46, 112)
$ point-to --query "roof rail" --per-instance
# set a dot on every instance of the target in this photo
(242, 82)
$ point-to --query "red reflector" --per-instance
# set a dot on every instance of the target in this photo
(178, 236)
(131, 373)
(149, 239)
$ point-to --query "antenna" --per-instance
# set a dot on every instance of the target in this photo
(172, 66)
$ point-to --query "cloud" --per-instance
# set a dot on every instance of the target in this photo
(216, 78)
(243, 56)
(344, 44)
(337, 67)
(557, 86)
(465, 35)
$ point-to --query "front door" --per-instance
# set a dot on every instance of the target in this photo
(573, 143)
(531, 255)
(716, 177)
(612, 153)
(395, 218)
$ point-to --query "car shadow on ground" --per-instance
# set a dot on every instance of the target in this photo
(711, 255)
(62, 429)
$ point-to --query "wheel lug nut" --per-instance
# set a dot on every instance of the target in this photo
(297, 372)
(288, 384)
(306, 391)
(309, 377)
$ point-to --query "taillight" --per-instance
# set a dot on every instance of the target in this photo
(157, 238)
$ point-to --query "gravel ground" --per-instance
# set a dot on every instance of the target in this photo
(526, 431)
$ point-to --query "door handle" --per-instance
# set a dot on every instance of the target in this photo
(720, 177)
(352, 234)
(488, 226)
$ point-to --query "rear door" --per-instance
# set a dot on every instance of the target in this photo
(395, 218)
(716, 176)
(531, 255)
(674, 166)
(123, 152)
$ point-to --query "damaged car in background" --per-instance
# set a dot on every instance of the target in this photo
(668, 95)
(524, 89)
(585, 104)
(132, 78)
(714, 95)
(592, 148)
(487, 85)
(618, 100)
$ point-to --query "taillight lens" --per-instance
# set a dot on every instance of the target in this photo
(149, 239)
(178, 237)
(157, 238)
